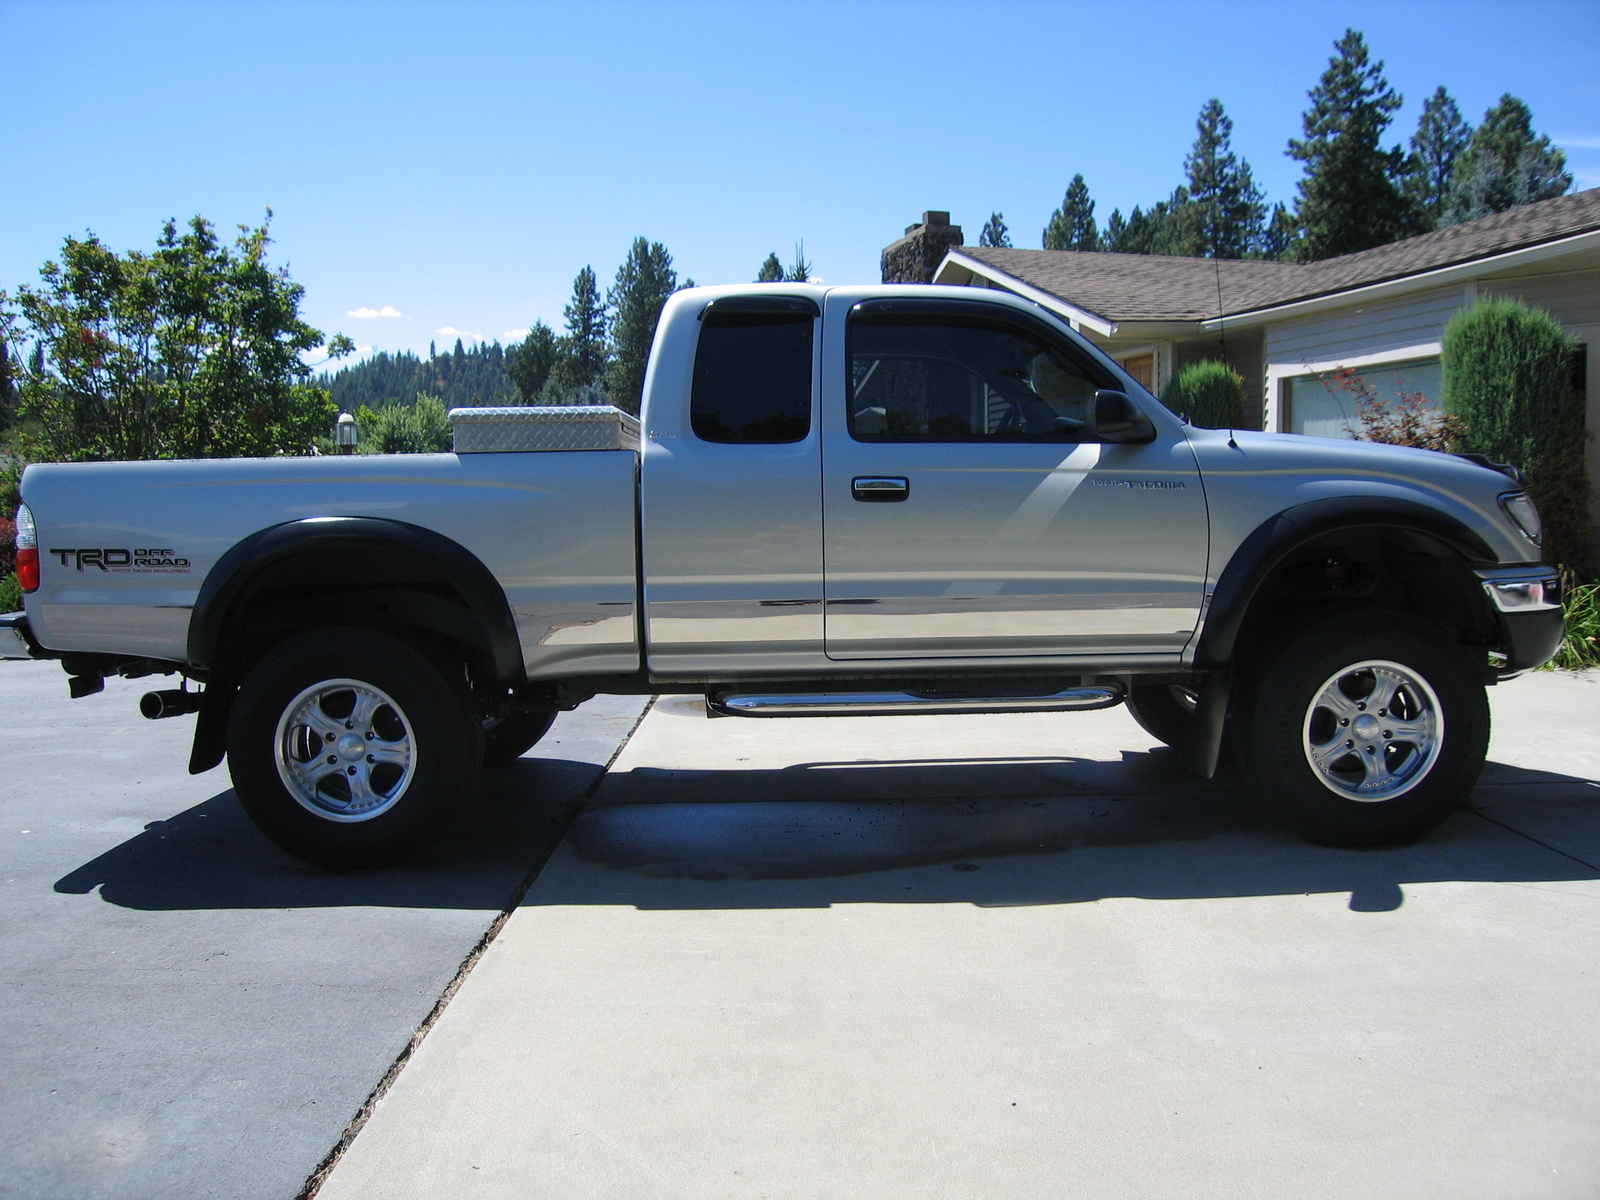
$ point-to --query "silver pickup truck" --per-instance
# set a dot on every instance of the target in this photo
(868, 500)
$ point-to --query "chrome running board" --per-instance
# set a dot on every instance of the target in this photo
(880, 704)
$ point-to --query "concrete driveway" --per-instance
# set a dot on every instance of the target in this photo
(184, 1010)
(1019, 957)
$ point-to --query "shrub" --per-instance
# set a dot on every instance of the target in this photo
(10, 594)
(1508, 374)
(420, 428)
(1408, 422)
(1210, 393)
(1581, 646)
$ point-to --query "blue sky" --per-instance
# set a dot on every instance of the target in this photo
(458, 163)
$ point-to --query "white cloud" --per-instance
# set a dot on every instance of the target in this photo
(366, 314)
(452, 331)
(515, 335)
(1582, 143)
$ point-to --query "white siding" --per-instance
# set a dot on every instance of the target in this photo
(1364, 329)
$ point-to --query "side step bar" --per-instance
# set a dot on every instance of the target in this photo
(881, 704)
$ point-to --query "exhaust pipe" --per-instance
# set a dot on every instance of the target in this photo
(171, 703)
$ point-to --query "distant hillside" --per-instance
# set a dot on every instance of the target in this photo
(461, 378)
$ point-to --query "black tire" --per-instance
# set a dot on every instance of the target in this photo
(508, 738)
(349, 691)
(1365, 728)
(1164, 711)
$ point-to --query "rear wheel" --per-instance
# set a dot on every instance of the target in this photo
(508, 738)
(348, 747)
(1366, 728)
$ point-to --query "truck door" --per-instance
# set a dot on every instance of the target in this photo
(969, 508)
(730, 487)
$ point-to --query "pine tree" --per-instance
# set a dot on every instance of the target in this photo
(1282, 234)
(1349, 197)
(1072, 225)
(1116, 231)
(995, 233)
(1436, 146)
(529, 363)
(1225, 213)
(581, 354)
(1165, 228)
(771, 270)
(1505, 165)
(644, 281)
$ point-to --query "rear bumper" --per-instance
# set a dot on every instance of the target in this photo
(1527, 605)
(17, 640)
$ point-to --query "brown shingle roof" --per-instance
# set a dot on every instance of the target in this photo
(1151, 287)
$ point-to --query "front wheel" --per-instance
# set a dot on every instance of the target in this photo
(351, 748)
(1366, 728)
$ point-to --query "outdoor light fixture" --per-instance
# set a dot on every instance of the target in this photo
(344, 434)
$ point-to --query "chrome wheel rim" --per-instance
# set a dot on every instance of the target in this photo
(1373, 731)
(345, 750)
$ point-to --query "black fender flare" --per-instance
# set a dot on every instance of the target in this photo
(1275, 539)
(231, 581)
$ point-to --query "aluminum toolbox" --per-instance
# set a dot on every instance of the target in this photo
(509, 430)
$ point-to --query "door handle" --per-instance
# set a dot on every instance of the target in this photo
(879, 489)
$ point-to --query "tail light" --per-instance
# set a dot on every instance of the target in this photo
(27, 543)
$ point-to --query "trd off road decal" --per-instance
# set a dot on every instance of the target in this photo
(150, 561)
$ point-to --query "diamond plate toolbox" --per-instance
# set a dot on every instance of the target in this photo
(510, 430)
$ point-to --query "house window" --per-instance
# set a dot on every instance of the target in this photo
(1324, 405)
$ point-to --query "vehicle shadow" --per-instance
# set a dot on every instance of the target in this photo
(211, 856)
(1003, 831)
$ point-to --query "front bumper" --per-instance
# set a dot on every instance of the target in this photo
(1527, 605)
(16, 639)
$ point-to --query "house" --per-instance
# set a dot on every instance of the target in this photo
(1286, 326)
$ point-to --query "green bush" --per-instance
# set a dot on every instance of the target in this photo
(10, 595)
(1508, 375)
(420, 428)
(1209, 393)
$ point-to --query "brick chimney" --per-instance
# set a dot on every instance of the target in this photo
(915, 257)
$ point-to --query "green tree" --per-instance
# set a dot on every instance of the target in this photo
(530, 362)
(995, 233)
(1281, 237)
(1224, 214)
(771, 270)
(581, 354)
(1505, 165)
(1349, 196)
(1164, 228)
(1437, 144)
(1508, 375)
(191, 351)
(644, 281)
(1072, 225)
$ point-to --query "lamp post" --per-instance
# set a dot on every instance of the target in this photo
(344, 433)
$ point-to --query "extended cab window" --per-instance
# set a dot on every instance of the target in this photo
(752, 371)
(964, 375)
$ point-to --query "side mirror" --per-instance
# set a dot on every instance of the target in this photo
(1118, 419)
